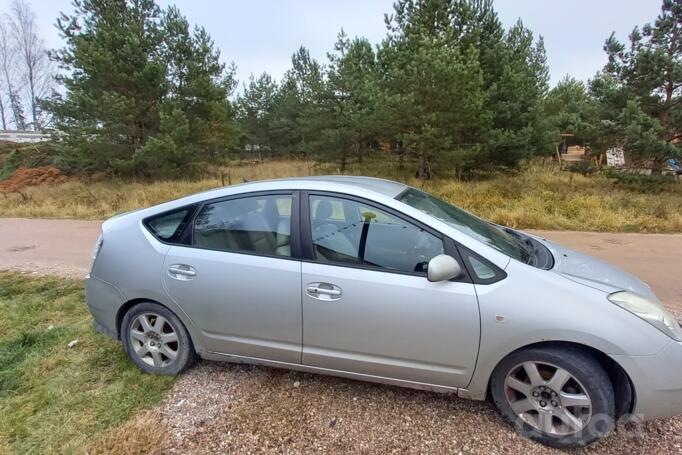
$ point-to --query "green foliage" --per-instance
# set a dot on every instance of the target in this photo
(347, 111)
(128, 69)
(583, 168)
(639, 89)
(432, 91)
(569, 108)
(643, 183)
(255, 111)
(14, 156)
(448, 89)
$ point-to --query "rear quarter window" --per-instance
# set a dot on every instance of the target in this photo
(169, 226)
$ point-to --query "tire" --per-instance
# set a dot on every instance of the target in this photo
(546, 398)
(156, 340)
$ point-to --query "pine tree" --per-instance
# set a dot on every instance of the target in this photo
(348, 101)
(432, 87)
(295, 115)
(640, 88)
(142, 94)
(255, 106)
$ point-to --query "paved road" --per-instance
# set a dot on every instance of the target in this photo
(63, 247)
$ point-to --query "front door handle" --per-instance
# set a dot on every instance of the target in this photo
(323, 291)
(182, 272)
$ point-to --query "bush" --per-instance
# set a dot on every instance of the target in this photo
(25, 177)
(583, 168)
(643, 183)
(14, 156)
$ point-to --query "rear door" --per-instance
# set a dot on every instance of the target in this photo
(367, 305)
(239, 279)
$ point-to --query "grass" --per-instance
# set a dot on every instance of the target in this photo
(56, 399)
(539, 196)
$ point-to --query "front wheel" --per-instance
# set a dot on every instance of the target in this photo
(561, 397)
(156, 340)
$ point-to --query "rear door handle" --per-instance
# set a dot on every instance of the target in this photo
(323, 291)
(182, 272)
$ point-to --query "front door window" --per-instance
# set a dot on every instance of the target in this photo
(348, 232)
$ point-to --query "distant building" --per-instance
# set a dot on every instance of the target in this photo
(615, 157)
(23, 136)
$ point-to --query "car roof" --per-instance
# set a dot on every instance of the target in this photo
(383, 186)
(377, 185)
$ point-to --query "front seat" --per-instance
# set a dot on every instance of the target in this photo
(329, 241)
(284, 238)
(256, 232)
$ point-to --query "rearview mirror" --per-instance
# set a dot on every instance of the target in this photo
(443, 267)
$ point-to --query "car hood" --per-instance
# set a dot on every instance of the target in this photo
(594, 272)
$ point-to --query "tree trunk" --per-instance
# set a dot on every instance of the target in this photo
(657, 165)
(664, 116)
(2, 114)
(342, 163)
(34, 104)
(423, 168)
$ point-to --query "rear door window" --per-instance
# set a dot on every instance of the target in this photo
(255, 224)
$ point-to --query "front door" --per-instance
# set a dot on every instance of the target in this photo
(367, 305)
(238, 282)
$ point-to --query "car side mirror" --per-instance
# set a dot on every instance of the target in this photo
(443, 267)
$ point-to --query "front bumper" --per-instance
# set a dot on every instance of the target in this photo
(104, 300)
(657, 380)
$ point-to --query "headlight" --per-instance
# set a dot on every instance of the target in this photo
(651, 312)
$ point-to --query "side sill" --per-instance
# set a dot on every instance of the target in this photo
(216, 356)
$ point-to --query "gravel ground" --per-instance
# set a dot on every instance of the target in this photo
(228, 408)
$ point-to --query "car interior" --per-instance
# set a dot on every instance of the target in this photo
(349, 232)
(248, 224)
(343, 231)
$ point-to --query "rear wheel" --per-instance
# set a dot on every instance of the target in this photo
(156, 340)
(561, 397)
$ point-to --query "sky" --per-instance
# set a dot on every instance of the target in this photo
(261, 35)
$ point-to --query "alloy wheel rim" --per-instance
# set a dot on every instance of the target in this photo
(154, 340)
(548, 398)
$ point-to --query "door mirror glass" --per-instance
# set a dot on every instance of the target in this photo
(443, 267)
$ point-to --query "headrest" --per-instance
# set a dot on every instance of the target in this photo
(246, 205)
(324, 210)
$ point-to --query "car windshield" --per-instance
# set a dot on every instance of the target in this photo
(469, 224)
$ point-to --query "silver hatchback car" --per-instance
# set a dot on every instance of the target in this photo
(371, 279)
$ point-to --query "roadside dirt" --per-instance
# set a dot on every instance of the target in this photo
(227, 408)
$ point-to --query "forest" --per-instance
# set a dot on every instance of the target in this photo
(136, 90)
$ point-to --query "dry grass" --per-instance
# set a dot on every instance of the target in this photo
(145, 433)
(540, 196)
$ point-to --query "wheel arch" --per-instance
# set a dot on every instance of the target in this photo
(194, 334)
(120, 314)
(622, 384)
